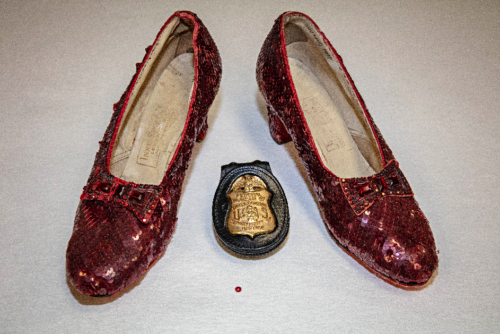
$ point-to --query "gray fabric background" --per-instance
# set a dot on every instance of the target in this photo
(429, 73)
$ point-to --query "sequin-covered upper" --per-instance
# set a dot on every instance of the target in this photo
(375, 218)
(121, 227)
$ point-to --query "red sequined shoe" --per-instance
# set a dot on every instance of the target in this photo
(365, 199)
(128, 208)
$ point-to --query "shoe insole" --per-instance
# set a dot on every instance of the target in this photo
(163, 118)
(332, 138)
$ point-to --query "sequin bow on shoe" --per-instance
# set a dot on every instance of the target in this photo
(127, 212)
(365, 199)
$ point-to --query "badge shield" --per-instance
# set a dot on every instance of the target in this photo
(250, 213)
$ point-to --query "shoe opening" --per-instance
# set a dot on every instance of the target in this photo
(338, 124)
(156, 113)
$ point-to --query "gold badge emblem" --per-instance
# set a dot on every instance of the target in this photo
(250, 213)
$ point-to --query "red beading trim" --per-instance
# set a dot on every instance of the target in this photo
(195, 84)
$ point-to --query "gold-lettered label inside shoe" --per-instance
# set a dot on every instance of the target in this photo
(148, 154)
(250, 213)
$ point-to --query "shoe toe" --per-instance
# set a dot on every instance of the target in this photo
(107, 250)
(405, 250)
(406, 262)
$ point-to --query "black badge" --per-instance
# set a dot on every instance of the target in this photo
(250, 211)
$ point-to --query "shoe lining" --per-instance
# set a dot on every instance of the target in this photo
(337, 122)
(154, 120)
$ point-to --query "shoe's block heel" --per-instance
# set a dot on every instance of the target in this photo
(277, 129)
(203, 132)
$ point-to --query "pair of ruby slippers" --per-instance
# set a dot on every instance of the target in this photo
(128, 208)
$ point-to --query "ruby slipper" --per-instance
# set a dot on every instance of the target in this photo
(127, 212)
(366, 201)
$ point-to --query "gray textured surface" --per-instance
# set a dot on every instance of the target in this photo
(429, 73)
